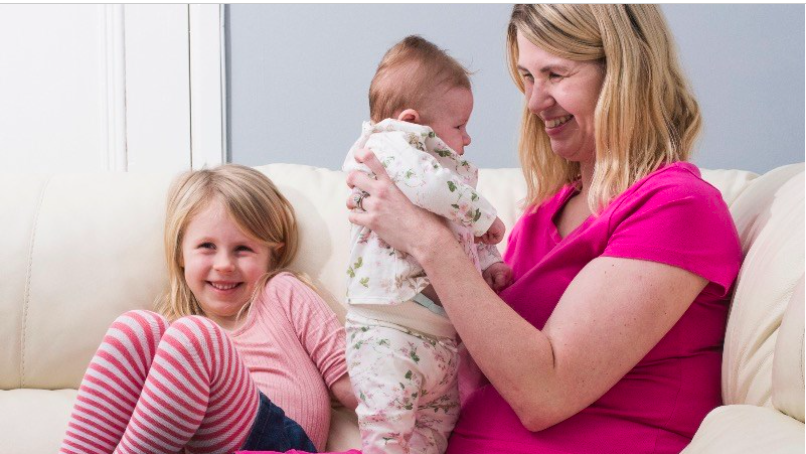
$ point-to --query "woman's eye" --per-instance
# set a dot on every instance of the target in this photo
(528, 77)
(555, 76)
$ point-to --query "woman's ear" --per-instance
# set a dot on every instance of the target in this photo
(409, 115)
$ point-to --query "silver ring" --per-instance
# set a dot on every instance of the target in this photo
(359, 201)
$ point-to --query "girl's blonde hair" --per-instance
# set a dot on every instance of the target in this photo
(646, 114)
(253, 203)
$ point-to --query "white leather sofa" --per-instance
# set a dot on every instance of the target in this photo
(78, 250)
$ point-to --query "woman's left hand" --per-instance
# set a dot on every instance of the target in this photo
(386, 210)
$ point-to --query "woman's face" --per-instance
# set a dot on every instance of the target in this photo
(563, 94)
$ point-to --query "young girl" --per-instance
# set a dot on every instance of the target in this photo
(237, 339)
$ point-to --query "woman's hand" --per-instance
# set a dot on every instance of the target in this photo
(386, 210)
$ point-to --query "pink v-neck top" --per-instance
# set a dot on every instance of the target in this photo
(293, 345)
(673, 217)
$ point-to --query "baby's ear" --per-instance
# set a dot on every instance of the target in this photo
(409, 115)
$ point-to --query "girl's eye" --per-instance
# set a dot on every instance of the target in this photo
(243, 249)
(206, 246)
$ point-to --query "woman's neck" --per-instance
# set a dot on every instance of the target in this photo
(585, 178)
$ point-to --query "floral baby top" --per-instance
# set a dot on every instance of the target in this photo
(432, 176)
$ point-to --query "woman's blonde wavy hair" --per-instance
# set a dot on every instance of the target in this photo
(253, 202)
(646, 114)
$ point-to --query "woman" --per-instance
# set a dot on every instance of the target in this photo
(609, 339)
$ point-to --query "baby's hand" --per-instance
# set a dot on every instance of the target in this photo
(494, 234)
(498, 276)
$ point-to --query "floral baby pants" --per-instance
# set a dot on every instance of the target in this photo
(406, 383)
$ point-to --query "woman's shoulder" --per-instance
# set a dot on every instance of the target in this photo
(678, 177)
(673, 182)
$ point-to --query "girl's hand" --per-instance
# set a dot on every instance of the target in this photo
(386, 210)
(342, 390)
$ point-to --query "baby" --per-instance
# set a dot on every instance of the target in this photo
(402, 351)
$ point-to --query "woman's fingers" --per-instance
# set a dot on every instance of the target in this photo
(368, 158)
(359, 179)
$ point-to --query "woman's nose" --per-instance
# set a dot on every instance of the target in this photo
(538, 99)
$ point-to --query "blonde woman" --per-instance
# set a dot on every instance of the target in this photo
(243, 354)
(609, 339)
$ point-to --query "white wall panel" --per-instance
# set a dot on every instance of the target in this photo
(51, 116)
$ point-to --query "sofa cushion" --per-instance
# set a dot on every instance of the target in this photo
(747, 428)
(92, 249)
(787, 365)
(34, 420)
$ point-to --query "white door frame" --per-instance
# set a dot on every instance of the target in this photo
(207, 89)
(174, 86)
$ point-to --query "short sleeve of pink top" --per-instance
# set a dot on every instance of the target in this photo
(293, 345)
(671, 216)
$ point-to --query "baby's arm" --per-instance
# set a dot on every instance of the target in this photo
(430, 185)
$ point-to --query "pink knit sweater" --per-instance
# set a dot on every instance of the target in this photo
(293, 345)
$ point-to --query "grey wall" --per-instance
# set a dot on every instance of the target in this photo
(298, 75)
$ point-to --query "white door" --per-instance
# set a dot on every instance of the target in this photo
(110, 87)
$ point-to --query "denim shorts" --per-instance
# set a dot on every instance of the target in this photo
(274, 431)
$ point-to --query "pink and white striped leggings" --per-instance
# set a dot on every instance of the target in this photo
(155, 388)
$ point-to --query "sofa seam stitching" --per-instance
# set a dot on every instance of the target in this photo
(26, 298)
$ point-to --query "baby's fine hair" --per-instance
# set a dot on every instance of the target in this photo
(252, 201)
(410, 72)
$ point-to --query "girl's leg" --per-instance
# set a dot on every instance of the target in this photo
(198, 394)
(113, 382)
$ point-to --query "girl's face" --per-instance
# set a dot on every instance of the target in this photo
(222, 264)
(563, 94)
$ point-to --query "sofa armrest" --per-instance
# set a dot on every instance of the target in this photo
(747, 429)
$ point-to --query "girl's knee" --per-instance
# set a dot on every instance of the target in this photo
(194, 327)
(147, 320)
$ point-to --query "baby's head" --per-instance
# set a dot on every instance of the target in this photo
(418, 82)
(225, 229)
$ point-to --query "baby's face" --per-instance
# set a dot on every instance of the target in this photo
(449, 115)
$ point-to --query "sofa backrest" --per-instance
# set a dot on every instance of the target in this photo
(769, 215)
(81, 249)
